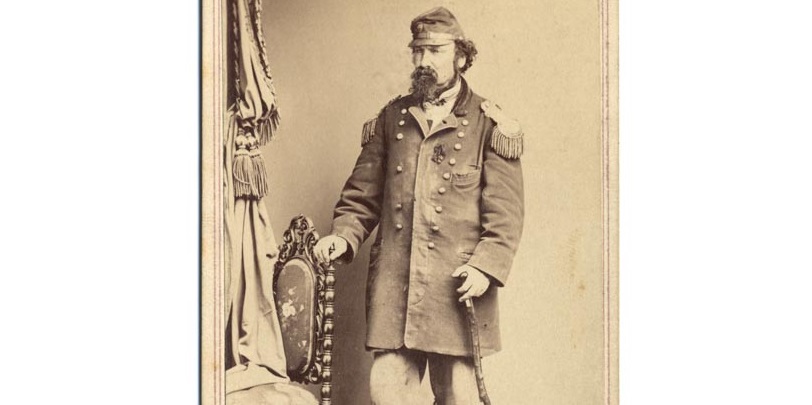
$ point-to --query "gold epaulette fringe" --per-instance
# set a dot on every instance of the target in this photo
(369, 131)
(507, 146)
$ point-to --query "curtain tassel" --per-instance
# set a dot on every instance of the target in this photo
(250, 178)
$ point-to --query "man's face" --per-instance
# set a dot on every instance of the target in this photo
(439, 58)
(434, 70)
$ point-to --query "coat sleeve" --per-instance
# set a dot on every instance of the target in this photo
(358, 209)
(502, 214)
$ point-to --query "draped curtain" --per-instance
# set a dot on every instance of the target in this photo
(254, 350)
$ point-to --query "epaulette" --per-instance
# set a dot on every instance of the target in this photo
(369, 127)
(507, 138)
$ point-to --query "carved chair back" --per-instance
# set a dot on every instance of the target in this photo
(304, 294)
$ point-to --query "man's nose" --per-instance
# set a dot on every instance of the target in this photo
(423, 61)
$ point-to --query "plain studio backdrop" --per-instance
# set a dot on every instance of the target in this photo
(335, 64)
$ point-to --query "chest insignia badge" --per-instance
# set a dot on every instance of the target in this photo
(439, 154)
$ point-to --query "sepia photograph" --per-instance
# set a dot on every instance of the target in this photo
(267, 202)
(409, 203)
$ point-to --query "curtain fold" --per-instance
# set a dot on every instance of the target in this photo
(254, 351)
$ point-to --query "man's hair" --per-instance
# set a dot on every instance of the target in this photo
(465, 48)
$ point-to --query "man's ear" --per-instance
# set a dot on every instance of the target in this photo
(461, 62)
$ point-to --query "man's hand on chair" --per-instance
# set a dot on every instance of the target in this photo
(329, 248)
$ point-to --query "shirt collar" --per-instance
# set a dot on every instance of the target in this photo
(447, 97)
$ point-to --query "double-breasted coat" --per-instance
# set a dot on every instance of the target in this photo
(442, 198)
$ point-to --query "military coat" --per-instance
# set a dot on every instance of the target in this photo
(442, 198)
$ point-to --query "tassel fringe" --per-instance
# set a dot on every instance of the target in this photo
(259, 173)
(266, 129)
(369, 131)
(250, 179)
(507, 146)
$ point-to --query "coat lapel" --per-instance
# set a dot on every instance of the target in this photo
(421, 119)
(447, 122)
(459, 110)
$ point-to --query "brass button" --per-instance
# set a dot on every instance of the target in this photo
(398, 206)
(401, 122)
(464, 122)
(403, 111)
(460, 134)
(452, 161)
(435, 228)
(441, 190)
(457, 146)
(399, 226)
(399, 136)
(438, 209)
(431, 245)
(399, 168)
(447, 176)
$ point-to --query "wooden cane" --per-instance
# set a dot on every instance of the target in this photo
(472, 327)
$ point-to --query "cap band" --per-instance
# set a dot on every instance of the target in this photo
(435, 35)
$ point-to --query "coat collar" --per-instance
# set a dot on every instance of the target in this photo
(448, 122)
(451, 121)
(460, 107)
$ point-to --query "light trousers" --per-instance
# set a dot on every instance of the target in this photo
(396, 376)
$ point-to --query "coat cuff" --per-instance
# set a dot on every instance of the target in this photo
(352, 242)
(495, 261)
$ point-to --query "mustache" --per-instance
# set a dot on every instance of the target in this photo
(424, 83)
(424, 72)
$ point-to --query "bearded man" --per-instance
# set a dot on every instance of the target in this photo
(440, 175)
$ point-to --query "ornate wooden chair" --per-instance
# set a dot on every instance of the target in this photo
(304, 294)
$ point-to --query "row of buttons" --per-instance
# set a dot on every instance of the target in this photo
(452, 161)
(434, 228)
(457, 146)
(459, 134)
(404, 111)
(438, 209)
(447, 176)
(464, 122)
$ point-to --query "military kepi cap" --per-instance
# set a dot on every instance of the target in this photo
(435, 27)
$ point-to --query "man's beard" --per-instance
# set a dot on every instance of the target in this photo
(424, 84)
